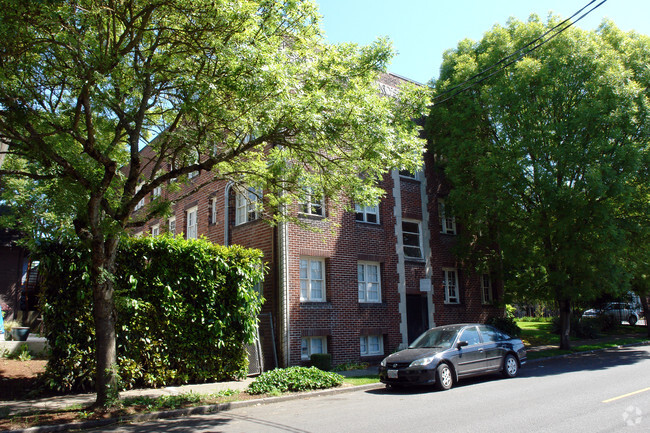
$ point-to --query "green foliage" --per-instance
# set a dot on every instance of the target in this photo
(506, 324)
(294, 379)
(184, 310)
(322, 361)
(554, 153)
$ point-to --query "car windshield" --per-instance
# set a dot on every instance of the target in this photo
(437, 337)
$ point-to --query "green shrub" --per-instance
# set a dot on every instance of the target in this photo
(505, 324)
(294, 379)
(322, 361)
(184, 310)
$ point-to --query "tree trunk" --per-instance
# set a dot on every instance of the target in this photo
(105, 345)
(103, 254)
(565, 323)
(644, 304)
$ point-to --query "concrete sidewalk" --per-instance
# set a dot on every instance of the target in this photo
(8, 408)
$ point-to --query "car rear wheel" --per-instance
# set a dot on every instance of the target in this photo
(632, 320)
(444, 378)
(510, 366)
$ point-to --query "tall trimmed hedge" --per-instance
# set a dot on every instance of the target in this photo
(184, 311)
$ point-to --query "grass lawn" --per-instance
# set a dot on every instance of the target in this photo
(539, 334)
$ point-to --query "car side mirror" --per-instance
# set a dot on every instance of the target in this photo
(462, 344)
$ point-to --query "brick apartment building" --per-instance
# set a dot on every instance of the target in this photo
(363, 285)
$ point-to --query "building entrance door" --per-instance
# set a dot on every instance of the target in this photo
(417, 314)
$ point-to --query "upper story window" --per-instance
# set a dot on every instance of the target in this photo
(246, 205)
(140, 204)
(450, 283)
(157, 191)
(194, 160)
(367, 214)
(369, 280)
(312, 279)
(312, 204)
(172, 225)
(486, 289)
(155, 230)
(412, 239)
(191, 229)
(446, 221)
(213, 211)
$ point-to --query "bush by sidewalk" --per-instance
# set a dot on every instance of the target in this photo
(184, 310)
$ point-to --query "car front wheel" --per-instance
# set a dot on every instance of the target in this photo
(510, 366)
(632, 320)
(444, 378)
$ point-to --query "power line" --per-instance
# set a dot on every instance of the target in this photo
(469, 83)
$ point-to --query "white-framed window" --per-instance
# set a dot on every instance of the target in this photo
(311, 345)
(137, 235)
(172, 225)
(213, 210)
(450, 284)
(369, 280)
(312, 204)
(367, 214)
(412, 239)
(486, 289)
(155, 230)
(195, 160)
(446, 221)
(140, 204)
(157, 191)
(245, 205)
(312, 279)
(191, 223)
(371, 345)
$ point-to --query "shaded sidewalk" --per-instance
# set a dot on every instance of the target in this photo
(15, 407)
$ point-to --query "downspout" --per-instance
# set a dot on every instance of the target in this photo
(426, 246)
(401, 264)
(283, 289)
(226, 222)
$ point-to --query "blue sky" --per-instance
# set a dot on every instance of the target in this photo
(422, 30)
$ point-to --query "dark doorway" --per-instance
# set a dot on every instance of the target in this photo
(416, 315)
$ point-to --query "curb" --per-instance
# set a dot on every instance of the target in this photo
(197, 410)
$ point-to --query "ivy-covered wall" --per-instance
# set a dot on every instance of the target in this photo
(184, 310)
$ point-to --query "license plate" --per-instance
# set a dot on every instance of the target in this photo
(392, 374)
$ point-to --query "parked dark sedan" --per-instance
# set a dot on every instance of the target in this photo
(445, 354)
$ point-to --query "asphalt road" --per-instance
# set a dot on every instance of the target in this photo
(601, 392)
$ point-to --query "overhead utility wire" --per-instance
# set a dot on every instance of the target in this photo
(519, 57)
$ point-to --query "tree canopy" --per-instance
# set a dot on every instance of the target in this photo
(547, 159)
(246, 89)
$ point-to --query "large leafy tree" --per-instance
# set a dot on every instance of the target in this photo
(247, 89)
(546, 157)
